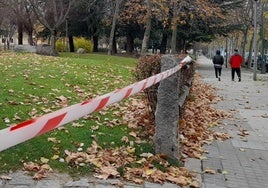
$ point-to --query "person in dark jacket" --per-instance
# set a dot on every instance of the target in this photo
(235, 63)
(218, 61)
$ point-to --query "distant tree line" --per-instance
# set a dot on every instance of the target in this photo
(134, 25)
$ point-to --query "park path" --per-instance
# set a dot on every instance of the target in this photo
(241, 161)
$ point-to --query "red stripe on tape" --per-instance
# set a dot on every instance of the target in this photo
(144, 85)
(52, 123)
(128, 92)
(102, 103)
(23, 124)
(86, 102)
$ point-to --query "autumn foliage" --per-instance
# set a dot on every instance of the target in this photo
(199, 117)
(147, 67)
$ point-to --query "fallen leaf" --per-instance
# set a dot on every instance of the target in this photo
(31, 166)
(4, 177)
(181, 180)
(39, 176)
(77, 125)
(54, 140)
(6, 120)
(125, 139)
(44, 160)
(224, 172)
(132, 133)
(55, 157)
(138, 181)
(130, 149)
(209, 171)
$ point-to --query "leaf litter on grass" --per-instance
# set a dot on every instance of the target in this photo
(195, 128)
(123, 162)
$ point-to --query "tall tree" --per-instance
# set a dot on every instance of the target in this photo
(52, 13)
(112, 33)
(147, 28)
(7, 24)
(15, 13)
(174, 25)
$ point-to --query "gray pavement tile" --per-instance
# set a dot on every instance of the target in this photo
(48, 183)
(207, 185)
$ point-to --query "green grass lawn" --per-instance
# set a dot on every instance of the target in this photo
(32, 85)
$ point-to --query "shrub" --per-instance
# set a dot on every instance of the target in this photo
(147, 67)
(81, 42)
(150, 65)
(61, 45)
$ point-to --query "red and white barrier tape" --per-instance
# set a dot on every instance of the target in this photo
(24, 131)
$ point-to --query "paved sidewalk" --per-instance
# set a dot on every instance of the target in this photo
(21, 180)
(242, 161)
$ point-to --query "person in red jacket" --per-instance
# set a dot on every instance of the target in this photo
(235, 63)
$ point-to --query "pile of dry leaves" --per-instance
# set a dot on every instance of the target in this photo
(194, 128)
(199, 117)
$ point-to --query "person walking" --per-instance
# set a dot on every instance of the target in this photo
(235, 63)
(218, 61)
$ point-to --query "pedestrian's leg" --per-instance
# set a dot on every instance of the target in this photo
(233, 74)
(216, 72)
(219, 69)
(238, 71)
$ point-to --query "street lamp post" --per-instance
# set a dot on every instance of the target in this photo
(255, 41)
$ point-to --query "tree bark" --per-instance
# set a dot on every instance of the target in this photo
(114, 49)
(174, 28)
(163, 46)
(148, 26)
(71, 43)
(116, 14)
(245, 38)
(20, 33)
(130, 43)
(30, 38)
(95, 41)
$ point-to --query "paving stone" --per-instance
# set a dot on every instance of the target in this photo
(48, 183)
(80, 183)
(21, 179)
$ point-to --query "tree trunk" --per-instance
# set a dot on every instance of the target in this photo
(163, 46)
(148, 28)
(71, 43)
(95, 43)
(116, 13)
(20, 33)
(53, 38)
(30, 38)
(174, 28)
(249, 60)
(114, 49)
(59, 11)
(245, 38)
(130, 43)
